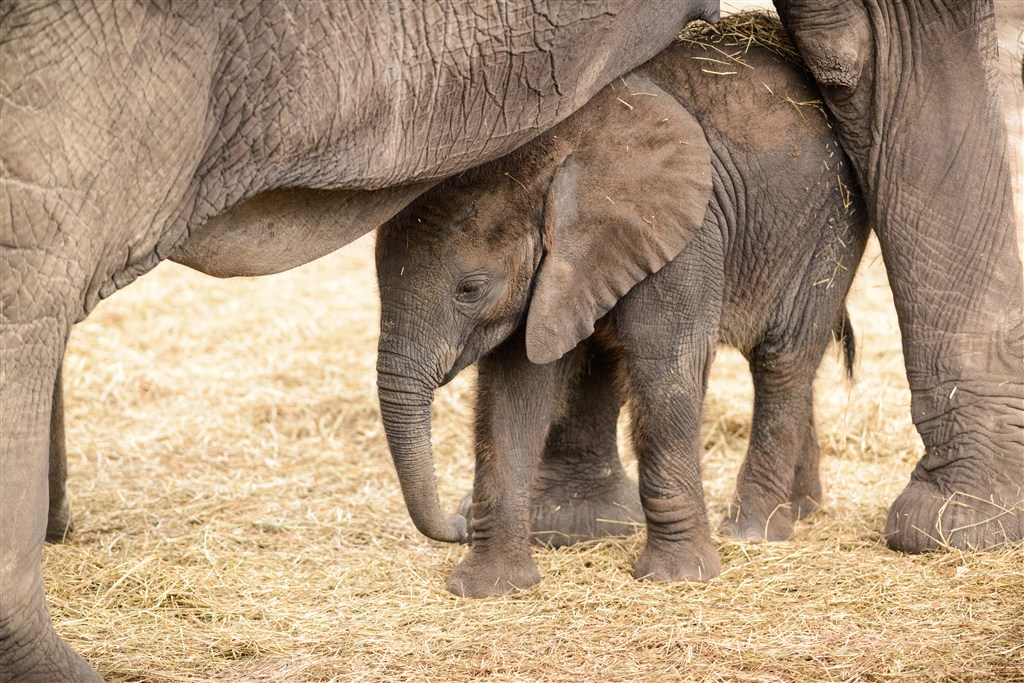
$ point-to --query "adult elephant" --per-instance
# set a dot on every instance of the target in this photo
(239, 139)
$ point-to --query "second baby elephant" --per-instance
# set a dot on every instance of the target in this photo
(602, 230)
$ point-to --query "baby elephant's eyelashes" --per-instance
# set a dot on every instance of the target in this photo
(471, 289)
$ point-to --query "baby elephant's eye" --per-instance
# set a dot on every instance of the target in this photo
(471, 289)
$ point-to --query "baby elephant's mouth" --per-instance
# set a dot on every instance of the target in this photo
(465, 359)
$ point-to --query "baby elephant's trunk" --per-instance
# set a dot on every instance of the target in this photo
(405, 401)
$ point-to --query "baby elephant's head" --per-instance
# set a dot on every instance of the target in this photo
(550, 236)
(455, 271)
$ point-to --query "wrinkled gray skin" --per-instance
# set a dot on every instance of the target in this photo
(196, 150)
(240, 139)
(911, 85)
(519, 259)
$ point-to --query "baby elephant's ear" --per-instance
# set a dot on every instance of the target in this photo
(625, 203)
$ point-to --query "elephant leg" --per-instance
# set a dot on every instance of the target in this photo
(805, 494)
(515, 403)
(666, 435)
(59, 524)
(668, 327)
(967, 401)
(960, 300)
(779, 477)
(668, 372)
(581, 491)
(933, 163)
(29, 647)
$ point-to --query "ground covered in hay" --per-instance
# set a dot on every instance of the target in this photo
(238, 518)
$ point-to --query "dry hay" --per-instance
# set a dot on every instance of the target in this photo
(239, 519)
(735, 34)
(727, 43)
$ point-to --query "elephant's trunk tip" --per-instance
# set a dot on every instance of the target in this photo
(460, 530)
(452, 530)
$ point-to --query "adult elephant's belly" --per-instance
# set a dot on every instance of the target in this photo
(281, 229)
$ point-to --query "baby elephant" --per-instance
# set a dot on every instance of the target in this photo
(602, 230)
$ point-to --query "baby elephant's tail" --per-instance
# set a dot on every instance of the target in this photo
(844, 334)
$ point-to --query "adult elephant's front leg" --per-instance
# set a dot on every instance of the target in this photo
(910, 84)
(30, 649)
(951, 252)
(515, 402)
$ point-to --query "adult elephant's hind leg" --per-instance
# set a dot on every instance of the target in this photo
(959, 295)
(59, 524)
(30, 649)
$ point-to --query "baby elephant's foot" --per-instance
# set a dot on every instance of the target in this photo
(562, 514)
(757, 523)
(804, 506)
(678, 561)
(484, 576)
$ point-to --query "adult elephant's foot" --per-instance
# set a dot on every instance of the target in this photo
(569, 509)
(967, 492)
(59, 524)
(50, 662)
(30, 650)
(930, 516)
(678, 561)
(486, 575)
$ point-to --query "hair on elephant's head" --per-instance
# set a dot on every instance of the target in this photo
(553, 235)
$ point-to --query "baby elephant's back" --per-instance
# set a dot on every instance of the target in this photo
(785, 195)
